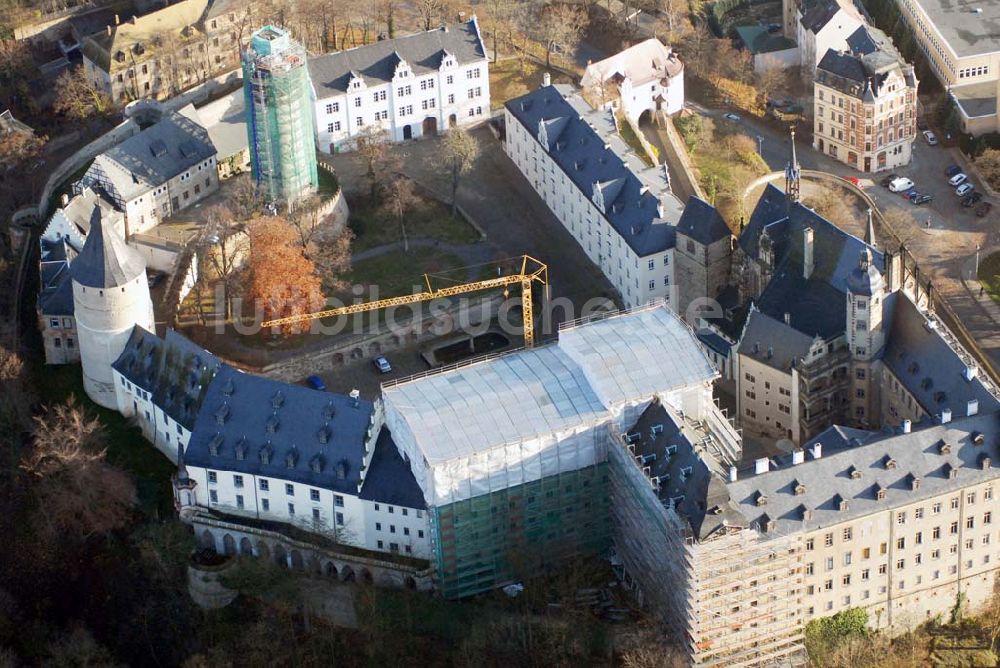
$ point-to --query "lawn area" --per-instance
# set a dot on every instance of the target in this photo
(396, 273)
(989, 275)
(127, 448)
(430, 219)
(512, 78)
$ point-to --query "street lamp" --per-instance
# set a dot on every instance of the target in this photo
(977, 261)
(760, 145)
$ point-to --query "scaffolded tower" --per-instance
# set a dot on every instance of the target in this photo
(280, 121)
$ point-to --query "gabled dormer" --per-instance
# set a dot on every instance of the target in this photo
(598, 196)
(402, 70)
(448, 60)
(356, 82)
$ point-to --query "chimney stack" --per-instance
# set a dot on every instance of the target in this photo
(807, 253)
(946, 416)
(972, 408)
(117, 19)
(546, 79)
(798, 456)
(732, 474)
(817, 450)
(109, 30)
(907, 426)
(761, 465)
(64, 200)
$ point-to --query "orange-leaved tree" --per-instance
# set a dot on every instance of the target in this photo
(283, 282)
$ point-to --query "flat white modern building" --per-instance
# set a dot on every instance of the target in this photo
(408, 87)
(620, 211)
(645, 77)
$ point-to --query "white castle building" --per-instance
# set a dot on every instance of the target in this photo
(409, 87)
(110, 298)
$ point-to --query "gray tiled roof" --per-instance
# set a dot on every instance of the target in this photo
(300, 428)
(928, 368)
(818, 14)
(105, 261)
(772, 342)
(376, 63)
(701, 221)
(56, 294)
(585, 157)
(829, 479)
(157, 154)
(389, 478)
(175, 371)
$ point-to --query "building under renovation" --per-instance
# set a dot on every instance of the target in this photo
(280, 121)
(511, 452)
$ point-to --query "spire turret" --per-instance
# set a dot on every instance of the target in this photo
(792, 171)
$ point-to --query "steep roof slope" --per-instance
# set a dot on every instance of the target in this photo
(105, 261)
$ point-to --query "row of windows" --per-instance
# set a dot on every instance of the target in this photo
(406, 530)
(967, 72)
(265, 505)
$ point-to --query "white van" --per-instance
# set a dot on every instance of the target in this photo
(901, 184)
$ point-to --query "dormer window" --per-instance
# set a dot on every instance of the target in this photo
(265, 455)
(761, 499)
(944, 448)
(278, 400)
(316, 464)
(914, 483)
(799, 489)
(950, 472)
(120, 56)
(222, 414)
(766, 523)
(985, 462)
(241, 449)
(215, 445)
(323, 435)
(291, 459)
(855, 473)
(272, 424)
(890, 463)
(978, 438)
(341, 470)
(807, 514)
(841, 503)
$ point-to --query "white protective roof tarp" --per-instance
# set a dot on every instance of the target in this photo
(533, 413)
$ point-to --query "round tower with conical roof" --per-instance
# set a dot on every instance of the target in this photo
(110, 297)
(865, 334)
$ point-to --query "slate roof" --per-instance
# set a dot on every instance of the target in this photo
(254, 415)
(929, 369)
(835, 256)
(706, 504)
(105, 261)
(154, 156)
(757, 39)
(587, 158)
(819, 14)
(701, 221)
(389, 478)
(175, 371)
(828, 479)
(376, 63)
(56, 294)
(714, 342)
(772, 342)
(225, 120)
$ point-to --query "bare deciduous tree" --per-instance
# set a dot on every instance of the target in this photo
(77, 492)
(561, 26)
(226, 246)
(459, 152)
(372, 145)
(77, 97)
(400, 197)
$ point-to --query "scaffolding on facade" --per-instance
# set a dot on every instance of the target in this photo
(280, 120)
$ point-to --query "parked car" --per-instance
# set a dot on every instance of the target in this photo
(922, 198)
(889, 179)
(316, 383)
(735, 118)
(983, 209)
(958, 179)
(971, 199)
(930, 137)
(900, 184)
(951, 170)
(382, 364)
(854, 180)
(911, 194)
(964, 189)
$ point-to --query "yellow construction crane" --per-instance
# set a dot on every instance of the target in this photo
(531, 270)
